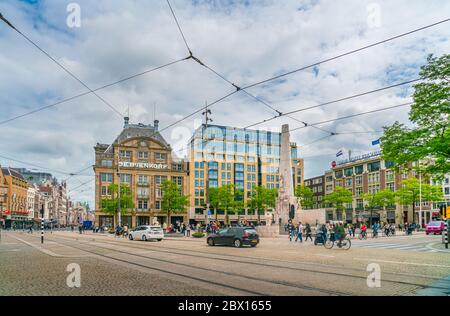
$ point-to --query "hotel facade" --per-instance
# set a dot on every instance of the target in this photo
(222, 155)
(141, 159)
(370, 174)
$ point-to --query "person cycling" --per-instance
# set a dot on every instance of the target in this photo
(363, 230)
(339, 234)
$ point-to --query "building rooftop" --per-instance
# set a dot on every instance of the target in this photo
(136, 130)
(11, 172)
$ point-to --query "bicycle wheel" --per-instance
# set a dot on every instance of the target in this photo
(328, 244)
(346, 243)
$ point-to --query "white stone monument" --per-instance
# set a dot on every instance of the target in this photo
(287, 207)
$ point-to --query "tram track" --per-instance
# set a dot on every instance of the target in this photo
(245, 277)
(200, 254)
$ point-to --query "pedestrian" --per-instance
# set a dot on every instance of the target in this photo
(188, 230)
(125, 231)
(308, 232)
(30, 229)
(291, 230)
(299, 232)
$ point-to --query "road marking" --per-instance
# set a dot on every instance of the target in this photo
(326, 256)
(45, 251)
(400, 262)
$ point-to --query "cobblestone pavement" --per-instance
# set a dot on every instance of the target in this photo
(187, 266)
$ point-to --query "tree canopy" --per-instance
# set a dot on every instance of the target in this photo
(339, 197)
(110, 204)
(173, 200)
(429, 138)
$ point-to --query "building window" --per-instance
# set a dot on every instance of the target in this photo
(143, 180)
(390, 176)
(158, 205)
(143, 155)
(359, 169)
(178, 180)
(160, 179)
(107, 163)
(348, 172)
(374, 166)
(390, 186)
(125, 178)
(143, 204)
(125, 154)
(160, 156)
(106, 177)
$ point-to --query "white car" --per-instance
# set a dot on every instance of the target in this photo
(147, 233)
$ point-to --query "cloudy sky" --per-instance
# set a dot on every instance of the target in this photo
(246, 41)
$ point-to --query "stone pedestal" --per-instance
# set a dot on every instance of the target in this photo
(268, 231)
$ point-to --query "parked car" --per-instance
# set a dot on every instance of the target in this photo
(146, 232)
(435, 227)
(234, 236)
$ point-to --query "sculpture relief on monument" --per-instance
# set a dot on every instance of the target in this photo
(287, 207)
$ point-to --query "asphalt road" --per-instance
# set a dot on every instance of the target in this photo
(416, 265)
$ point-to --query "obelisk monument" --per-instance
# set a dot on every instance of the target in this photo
(287, 207)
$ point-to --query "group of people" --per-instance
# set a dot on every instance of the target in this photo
(297, 231)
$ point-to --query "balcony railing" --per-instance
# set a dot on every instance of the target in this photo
(143, 184)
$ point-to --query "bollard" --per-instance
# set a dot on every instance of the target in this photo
(446, 234)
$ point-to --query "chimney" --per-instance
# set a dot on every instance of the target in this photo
(127, 121)
(156, 125)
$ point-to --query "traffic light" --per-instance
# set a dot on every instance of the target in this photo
(42, 211)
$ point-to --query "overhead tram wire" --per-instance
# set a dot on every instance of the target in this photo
(41, 167)
(303, 68)
(336, 101)
(87, 93)
(224, 78)
(345, 54)
(59, 64)
(354, 115)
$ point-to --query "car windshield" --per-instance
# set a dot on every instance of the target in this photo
(250, 231)
(434, 224)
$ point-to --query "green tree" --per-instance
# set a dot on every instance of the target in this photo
(378, 200)
(261, 199)
(429, 139)
(110, 204)
(227, 199)
(214, 199)
(338, 198)
(305, 196)
(409, 193)
(173, 200)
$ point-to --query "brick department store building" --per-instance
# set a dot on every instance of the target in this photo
(142, 159)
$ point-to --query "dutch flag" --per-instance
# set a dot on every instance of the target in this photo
(340, 153)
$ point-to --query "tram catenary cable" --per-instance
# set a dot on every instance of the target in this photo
(59, 64)
(41, 167)
(221, 76)
(313, 65)
(87, 93)
(336, 101)
(354, 115)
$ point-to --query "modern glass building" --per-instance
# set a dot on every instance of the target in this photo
(221, 155)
